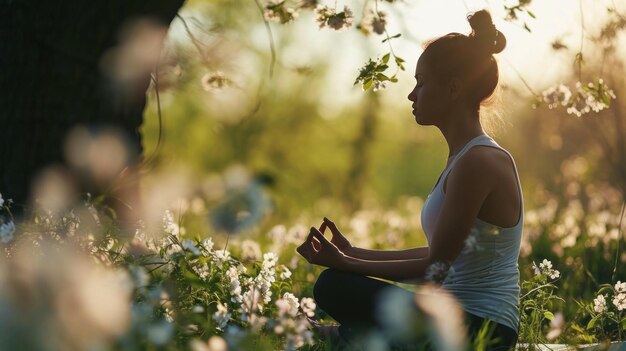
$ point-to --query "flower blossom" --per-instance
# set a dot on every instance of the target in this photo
(169, 226)
(557, 95)
(308, 306)
(7, 230)
(269, 260)
(545, 268)
(599, 304)
(620, 287)
(373, 22)
(207, 244)
(188, 245)
(221, 256)
(285, 272)
(336, 20)
(221, 316)
(250, 250)
(288, 305)
(437, 272)
(471, 242)
(620, 301)
(276, 11)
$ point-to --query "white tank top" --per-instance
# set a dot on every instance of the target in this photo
(484, 280)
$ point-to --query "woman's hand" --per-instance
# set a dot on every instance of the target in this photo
(338, 239)
(316, 249)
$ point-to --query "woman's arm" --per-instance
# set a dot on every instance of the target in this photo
(388, 255)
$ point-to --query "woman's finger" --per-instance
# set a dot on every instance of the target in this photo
(316, 243)
(320, 236)
(309, 237)
(302, 251)
(323, 227)
(331, 225)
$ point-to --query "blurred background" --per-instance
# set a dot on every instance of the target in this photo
(254, 130)
(316, 137)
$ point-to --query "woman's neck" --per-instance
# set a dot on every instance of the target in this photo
(462, 128)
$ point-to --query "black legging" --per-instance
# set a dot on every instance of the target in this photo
(353, 301)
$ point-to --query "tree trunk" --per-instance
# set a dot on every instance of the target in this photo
(51, 81)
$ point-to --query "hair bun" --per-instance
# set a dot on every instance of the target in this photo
(488, 38)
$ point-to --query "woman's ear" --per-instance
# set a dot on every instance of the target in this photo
(454, 88)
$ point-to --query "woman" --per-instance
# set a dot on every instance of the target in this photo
(477, 199)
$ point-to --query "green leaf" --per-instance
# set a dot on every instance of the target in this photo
(367, 84)
(548, 315)
(392, 37)
(592, 323)
(386, 58)
(381, 77)
(527, 27)
(531, 14)
(381, 68)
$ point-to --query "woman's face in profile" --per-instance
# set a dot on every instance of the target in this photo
(429, 96)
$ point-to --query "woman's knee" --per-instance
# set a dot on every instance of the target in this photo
(326, 283)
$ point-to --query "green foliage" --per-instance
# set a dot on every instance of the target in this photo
(538, 295)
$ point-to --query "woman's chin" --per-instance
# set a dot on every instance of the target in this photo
(418, 117)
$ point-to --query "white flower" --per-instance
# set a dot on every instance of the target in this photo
(208, 245)
(536, 269)
(471, 242)
(293, 304)
(373, 22)
(308, 306)
(221, 256)
(250, 250)
(235, 285)
(545, 264)
(276, 11)
(215, 343)
(437, 272)
(620, 301)
(378, 85)
(620, 287)
(202, 271)
(251, 301)
(169, 226)
(327, 16)
(554, 274)
(556, 326)
(221, 316)
(269, 260)
(286, 273)
(599, 304)
(188, 245)
(557, 95)
(545, 268)
(6, 232)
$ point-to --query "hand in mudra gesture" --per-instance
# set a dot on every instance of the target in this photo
(316, 249)
(338, 238)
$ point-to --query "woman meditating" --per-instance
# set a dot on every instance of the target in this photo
(477, 200)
